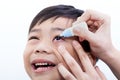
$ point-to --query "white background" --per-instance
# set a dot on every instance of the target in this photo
(15, 18)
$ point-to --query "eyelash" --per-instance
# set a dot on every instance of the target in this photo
(55, 38)
(59, 38)
(33, 37)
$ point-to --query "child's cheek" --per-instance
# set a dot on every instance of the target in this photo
(57, 54)
(58, 43)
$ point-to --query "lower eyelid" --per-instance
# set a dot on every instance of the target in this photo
(57, 41)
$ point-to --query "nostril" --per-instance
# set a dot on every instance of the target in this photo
(43, 49)
(38, 51)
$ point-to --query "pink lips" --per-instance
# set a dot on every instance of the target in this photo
(41, 65)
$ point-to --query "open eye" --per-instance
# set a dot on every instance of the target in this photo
(33, 37)
(58, 38)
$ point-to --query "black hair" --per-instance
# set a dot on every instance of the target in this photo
(66, 11)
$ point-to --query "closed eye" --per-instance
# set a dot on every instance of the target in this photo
(33, 37)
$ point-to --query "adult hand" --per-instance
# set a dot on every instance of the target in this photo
(76, 72)
(98, 35)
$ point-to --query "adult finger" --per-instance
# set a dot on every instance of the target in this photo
(85, 34)
(71, 62)
(65, 73)
(102, 76)
(91, 15)
(60, 58)
(85, 61)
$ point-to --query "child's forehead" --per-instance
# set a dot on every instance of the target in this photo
(65, 22)
(60, 22)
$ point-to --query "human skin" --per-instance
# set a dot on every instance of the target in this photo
(86, 72)
(99, 37)
(42, 46)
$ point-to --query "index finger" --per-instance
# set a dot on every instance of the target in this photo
(85, 61)
(91, 15)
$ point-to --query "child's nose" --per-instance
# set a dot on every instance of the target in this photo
(43, 47)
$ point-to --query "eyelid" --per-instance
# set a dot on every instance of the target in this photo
(59, 38)
(33, 37)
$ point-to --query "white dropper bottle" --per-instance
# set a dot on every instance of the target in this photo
(69, 31)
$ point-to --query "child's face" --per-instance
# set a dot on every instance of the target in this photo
(41, 56)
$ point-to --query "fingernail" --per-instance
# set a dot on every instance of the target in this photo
(61, 68)
(75, 43)
(96, 67)
(60, 64)
(61, 48)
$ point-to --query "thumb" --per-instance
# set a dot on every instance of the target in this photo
(84, 33)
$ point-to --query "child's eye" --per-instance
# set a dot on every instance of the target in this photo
(58, 38)
(33, 37)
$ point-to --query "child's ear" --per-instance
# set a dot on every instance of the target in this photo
(92, 58)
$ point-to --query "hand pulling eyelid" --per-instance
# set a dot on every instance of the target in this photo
(69, 31)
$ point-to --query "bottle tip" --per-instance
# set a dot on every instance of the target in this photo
(67, 33)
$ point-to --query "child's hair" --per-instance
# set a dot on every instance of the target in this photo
(57, 11)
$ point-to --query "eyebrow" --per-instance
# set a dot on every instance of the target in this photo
(52, 29)
(57, 29)
(35, 30)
